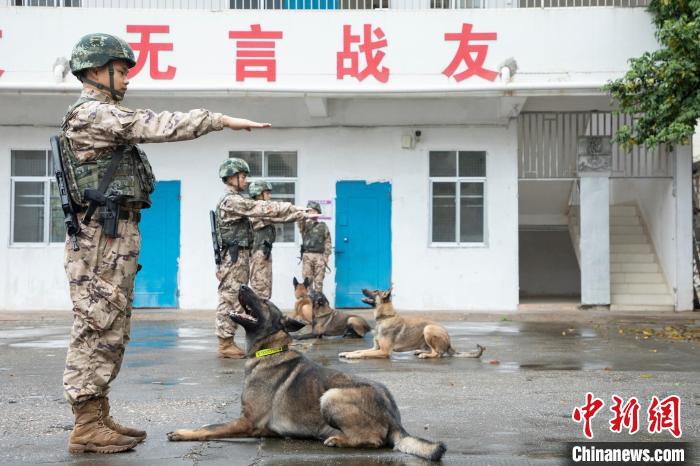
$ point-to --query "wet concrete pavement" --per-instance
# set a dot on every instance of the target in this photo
(511, 407)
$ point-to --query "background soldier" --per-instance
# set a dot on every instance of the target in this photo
(98, 140)
(316, 247)
(264, 236)
(235, 229)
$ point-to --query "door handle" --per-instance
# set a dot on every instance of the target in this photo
(345, 240)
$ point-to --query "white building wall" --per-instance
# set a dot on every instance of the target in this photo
(424, 278)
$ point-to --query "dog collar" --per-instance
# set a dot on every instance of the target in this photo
(269, 351)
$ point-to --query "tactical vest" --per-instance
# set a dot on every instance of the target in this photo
(133, 180)
(240, 230)
(266, 233)
(314, 237)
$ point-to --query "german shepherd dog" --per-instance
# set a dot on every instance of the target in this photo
(303, 307)
(331, 322)
(395, 333)
(287, 395)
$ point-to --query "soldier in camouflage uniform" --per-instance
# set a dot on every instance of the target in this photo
(96, 130)
(316, 248)
(233, 215)
(264, 235)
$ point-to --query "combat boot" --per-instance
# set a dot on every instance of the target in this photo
(229, 349)
(90, 434)
(109, 421)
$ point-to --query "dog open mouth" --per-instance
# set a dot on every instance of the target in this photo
(246, 317)
(369, 297)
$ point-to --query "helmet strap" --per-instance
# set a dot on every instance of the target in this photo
(116, 95)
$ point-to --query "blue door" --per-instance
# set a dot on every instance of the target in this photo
(156, 283)
(362, 240)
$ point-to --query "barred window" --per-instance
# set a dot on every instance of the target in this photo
(66, 3)
(280, 169)
(457, 193)
(37, 217)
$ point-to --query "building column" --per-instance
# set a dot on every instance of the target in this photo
(595, 240)
(683, 189)
(594, 165)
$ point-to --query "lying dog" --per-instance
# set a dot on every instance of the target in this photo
(287, 395)
(329, 322)
(395, 333)
(303, 308)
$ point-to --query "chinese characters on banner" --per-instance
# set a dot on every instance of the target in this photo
(145, 49)
(368, 47)
(661, 415)
(1, 70)
(361, 56)
(255, 53)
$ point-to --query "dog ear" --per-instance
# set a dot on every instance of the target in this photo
(307, 282)
(296, 282)
(292, 325)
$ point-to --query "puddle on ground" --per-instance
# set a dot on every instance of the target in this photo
(32, 332)
(42, 344)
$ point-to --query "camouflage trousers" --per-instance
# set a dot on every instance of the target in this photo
(313, 267)
(233, 275)
(101, 279)
(261, 274)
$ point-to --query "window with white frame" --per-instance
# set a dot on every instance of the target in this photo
(457, 193)
(280, 169)
(37, 217)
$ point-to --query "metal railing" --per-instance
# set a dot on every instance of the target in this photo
(547, 146)
(322, 4)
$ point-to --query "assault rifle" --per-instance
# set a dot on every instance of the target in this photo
(70, 211)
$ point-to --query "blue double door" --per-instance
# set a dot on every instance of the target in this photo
(362, 240)
(156, 283)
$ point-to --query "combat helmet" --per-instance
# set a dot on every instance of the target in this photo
(96, 50)
(232, 166)
(258, 187)
(314, 205)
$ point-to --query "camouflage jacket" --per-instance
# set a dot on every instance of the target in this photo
(234, 207)
(305, 226)
(97, 127)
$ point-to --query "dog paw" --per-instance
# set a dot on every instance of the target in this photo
(331, 442)
(174, 436)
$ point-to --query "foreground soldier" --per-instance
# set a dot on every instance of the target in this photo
(264, 236)
(102, 162)
(235, 229)
(315, 249)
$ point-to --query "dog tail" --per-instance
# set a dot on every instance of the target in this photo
(471, 354)
(417, 446)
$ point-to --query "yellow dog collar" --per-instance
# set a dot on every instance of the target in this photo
(269, 351)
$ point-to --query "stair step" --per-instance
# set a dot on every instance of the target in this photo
(625, 258)
(639, 307)
(634, 267)
(642, 288)
(627, 230)
(624, 221)
(623, 210)
(639, 278)
(643, 299)
(630, 249)
(628, 239)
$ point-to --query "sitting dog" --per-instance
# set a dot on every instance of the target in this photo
(287, 395)
(395, 333)
(303, 308)
(331, 322)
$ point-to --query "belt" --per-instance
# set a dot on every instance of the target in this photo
(129, 215)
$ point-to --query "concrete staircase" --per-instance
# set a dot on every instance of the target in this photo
(636, 279)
